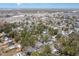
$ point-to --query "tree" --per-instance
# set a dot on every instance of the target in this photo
(17, 38)
(45, 38)
(32, 40)
(27, 39)
(52, 31)
(69, 46)
(40, 27)
(35, 53)
(46, 51)
(0, 40)
(7, 28)
(12, 34)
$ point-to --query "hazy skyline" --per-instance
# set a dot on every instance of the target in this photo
(39, 5)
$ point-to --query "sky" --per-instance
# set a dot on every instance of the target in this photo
(39, 5)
